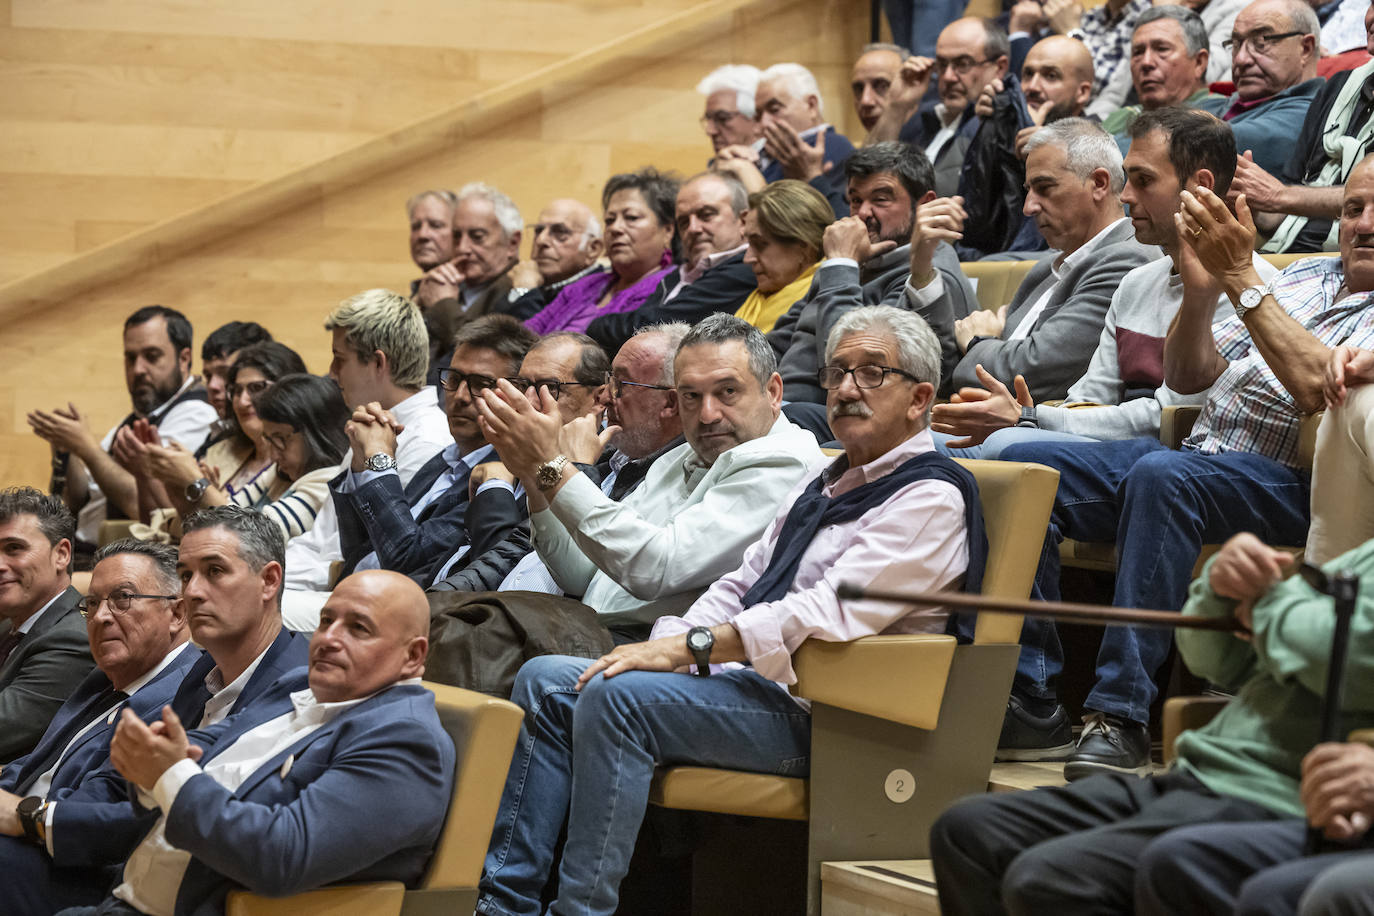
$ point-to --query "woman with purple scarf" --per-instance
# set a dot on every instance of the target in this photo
(639, 214)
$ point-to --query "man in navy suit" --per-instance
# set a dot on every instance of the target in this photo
(137, 631)
(419, 529)
(347, 780)
(43, 649)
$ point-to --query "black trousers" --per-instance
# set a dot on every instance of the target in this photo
(1245, 869)
(1070, 849)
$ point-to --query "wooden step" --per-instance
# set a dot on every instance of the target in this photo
(882, 888)
(1018, 777)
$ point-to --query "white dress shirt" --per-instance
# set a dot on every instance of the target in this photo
(222, 695)
(1059, 268)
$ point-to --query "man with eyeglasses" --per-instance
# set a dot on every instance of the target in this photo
(1298, 207)
(890, 510)
(729, 117)
(1274, 46)
(380, 357)
(421, 529)
(567, 243)
(62, 792)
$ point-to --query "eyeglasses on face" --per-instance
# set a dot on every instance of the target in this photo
(1259, 43)
(961, 65)
(279, 442)
(452, 380)
(719, 118)
(253, 388)
(120, 601)
(554, 385)
(559, 232)
(617, 386)
(832, 377)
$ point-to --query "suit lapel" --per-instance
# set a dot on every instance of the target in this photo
(61, 606)
(425, 477)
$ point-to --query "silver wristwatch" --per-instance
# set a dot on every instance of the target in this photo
(380, 462)
(1249, 300)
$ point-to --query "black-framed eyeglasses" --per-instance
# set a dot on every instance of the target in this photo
(452, 380)
(554, 385)
(832, 377)
(279, 442)
(961, 65)
(617, 386)
(253, 388)
(119, 601)
(1259, 43)
(719, 118)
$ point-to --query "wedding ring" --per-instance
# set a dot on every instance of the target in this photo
(1197, 232)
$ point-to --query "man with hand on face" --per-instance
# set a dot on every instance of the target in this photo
(157, 370)
(253, 802)
(889, 511)
(567, 243)
(486, 244)
(431, 233)
(1048, 331)
(422, 529)
(65, 815)
(43, 649)
(699, 505)
(1275, 45)
(712, 277)
(1056, 82)
(381, 353)
(868, 259)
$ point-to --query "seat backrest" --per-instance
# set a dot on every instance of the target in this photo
(483, 730)
(996, 281)
(1283, 260)
(1017, 498)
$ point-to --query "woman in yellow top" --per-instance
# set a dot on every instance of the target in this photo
(784, 227)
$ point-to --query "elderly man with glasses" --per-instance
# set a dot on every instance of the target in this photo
(890, 510)
(422, 529)
(138, 636)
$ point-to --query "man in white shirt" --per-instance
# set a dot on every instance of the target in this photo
(700, 504)
(348, 779)
(63, 800)
(381, 354)
(890, 511)
(157, 370)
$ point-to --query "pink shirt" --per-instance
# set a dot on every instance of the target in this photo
(915, 540)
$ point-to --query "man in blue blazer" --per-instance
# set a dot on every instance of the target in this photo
(347, 780)
(137, 631)
(418, 529)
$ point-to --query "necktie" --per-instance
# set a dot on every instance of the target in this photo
(7, 645)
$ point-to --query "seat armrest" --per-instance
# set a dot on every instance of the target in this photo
(1176, 422)
(1184, 713)
(1362, 736)
(378, 898)
(899, 678)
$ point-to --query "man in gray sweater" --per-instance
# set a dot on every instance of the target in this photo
(866, 263)
(1048, 333)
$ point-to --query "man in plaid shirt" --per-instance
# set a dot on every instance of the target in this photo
(1238, 471)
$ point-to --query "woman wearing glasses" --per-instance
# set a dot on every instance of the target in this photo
(784, 227)
(639, 209)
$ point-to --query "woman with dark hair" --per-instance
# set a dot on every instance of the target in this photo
(639, 211)
(238, 469)
(303, 419)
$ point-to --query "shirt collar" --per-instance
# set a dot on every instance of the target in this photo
(410, 409)
(840, 474)
(692, 274)
(141, 682)
(559, 284)
(457, 460)
(304, 703)
(1083, 251)
(166, 405)
(27, 625)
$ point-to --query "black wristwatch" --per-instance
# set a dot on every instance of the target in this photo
(1028, 418)
(27, 809)
(699, 643)
(196, 489)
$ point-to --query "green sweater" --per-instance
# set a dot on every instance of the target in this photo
(1254, 748)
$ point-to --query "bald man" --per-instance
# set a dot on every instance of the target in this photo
(362, 737)
(567, 242)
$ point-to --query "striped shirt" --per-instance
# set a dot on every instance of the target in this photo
(1109, 39)
(1247, 408)
(294, 510)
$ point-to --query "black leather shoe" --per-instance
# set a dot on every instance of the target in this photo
(1109, 744)
(1026, 736)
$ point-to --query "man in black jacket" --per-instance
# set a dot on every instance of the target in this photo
(713, 276)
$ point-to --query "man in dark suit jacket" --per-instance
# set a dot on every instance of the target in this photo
(1050, 330)
(566, 245)
(261, 809)
(43, 648)
(137, 630)
(866, 263)
(712, 277)
(416, 529)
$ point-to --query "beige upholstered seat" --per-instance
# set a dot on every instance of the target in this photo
(996, 281)
(483, 730)
(886, 709)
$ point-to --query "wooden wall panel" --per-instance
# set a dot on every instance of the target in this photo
(345, 236)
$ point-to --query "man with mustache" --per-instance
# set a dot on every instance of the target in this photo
(890, 510)
(867, 258)
(157, 370)
(1049, 330)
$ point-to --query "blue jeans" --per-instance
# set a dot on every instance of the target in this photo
(1159, 506)
(589, 757)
